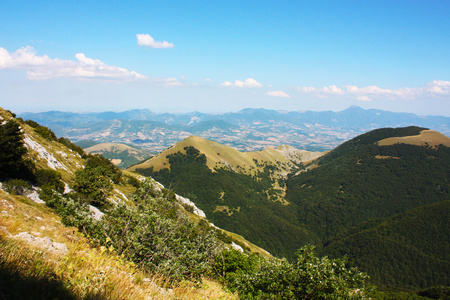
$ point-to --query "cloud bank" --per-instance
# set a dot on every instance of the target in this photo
(148, 41)
(248, 83)
(44, 67)
(434, 88)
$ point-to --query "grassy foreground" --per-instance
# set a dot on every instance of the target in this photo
(30, 270)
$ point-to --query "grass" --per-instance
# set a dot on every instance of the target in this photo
(430, 137)
(84, 272)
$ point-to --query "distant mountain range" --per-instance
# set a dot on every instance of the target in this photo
(247, 130)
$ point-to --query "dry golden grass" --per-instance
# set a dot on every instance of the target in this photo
(426, 137)
(219, 155)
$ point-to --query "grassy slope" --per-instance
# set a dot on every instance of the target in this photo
(121, 155)
(222, 156)
(426, 137)
(31, 272)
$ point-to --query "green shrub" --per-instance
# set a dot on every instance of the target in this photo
(66, 142)
(51, 178)
(46, 133)
(17, 186)
(134, 182)
(154, 233)
(308, 277)
(93, 185)
(109, 169)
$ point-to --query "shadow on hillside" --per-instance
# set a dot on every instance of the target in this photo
(22, 277)
(14, 285)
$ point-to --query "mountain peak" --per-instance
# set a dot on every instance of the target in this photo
(354, 108)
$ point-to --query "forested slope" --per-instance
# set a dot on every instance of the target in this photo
(408, 249)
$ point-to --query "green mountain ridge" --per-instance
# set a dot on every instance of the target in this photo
(380, 174)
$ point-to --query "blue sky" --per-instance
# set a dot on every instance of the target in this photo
(216, 56)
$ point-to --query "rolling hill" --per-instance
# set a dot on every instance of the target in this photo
(120, 155)
(239, 191)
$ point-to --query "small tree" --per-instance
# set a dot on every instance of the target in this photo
(12, 151)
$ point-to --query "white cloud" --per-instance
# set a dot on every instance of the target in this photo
(248, 83)
(435, 88)
(147, 40)
(438, 87)
(227, 84)
(209, 80)
(364, 98)
(333, 90)
(277, 94)
(44, 67)
(306, 89)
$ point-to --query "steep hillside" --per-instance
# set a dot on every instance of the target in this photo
(361, 180)
(58, 178)
(379, 175)
(238, 192)
(120, 155)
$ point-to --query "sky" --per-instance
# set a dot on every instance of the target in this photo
(221, 56)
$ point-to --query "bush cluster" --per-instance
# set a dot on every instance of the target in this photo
(152, 232)
(307, 277)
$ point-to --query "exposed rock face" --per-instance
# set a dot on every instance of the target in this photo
(52, 162)
(188, 202)
(97, 214)
(44, 243)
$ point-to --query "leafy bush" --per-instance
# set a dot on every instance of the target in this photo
(153, 233)
(133, 181)
(108, 168)
(17, 186)
(66, 142)
(308, 277)
(49, 181)
(51, 178)
(46, 133)
(92, 185)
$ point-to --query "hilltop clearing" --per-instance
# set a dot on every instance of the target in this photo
(425, 138)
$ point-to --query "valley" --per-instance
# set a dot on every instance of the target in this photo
(246, 130)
